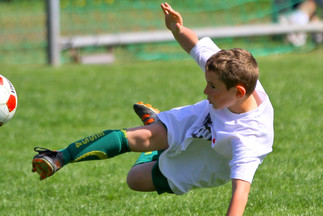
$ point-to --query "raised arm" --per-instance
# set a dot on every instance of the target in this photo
(186, 37)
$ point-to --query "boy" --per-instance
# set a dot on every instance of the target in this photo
(202, 145)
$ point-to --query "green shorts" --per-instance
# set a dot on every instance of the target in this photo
(159, 180)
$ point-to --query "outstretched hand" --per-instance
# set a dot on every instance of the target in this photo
(186, 37)
(173, 19)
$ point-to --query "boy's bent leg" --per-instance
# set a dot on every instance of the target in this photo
(148, 177)
(140, 178)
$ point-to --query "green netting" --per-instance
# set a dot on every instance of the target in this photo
(100, 16)
(23, 32)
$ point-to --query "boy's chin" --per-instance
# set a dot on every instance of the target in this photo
(213, 105)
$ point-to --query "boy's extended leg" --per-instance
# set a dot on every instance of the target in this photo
(106, 144)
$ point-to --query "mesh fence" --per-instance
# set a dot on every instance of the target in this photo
(23, 25)
(22, 32)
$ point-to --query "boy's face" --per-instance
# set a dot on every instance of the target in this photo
(217, 93)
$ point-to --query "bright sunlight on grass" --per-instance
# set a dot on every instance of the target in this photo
(59, 106)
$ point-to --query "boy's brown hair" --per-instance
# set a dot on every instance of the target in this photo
(235, 67)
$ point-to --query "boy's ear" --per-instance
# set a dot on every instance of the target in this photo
(241, 91)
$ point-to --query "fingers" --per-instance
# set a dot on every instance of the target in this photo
(173, 19)
(163, 6)
(167, 8)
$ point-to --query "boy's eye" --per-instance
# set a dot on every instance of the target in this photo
(212, 86)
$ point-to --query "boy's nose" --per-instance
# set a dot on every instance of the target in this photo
(205, 90)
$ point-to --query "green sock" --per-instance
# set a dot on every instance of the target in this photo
(103, 145)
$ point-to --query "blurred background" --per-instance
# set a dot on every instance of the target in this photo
(23, 27)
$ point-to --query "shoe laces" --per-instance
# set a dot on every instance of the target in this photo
(45, 151)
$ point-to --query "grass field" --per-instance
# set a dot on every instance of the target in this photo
(59, 106)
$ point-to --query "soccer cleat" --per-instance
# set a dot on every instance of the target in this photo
(47, 162)
(146, 112)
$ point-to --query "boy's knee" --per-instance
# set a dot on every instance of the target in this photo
(139, 178)
(132, 180)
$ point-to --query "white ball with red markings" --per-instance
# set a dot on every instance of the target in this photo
(8, 100)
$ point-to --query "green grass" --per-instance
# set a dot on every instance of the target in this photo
(59, 106)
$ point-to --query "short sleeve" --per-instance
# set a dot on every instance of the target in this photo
(246, 157)
(203, 50)
(246, 170)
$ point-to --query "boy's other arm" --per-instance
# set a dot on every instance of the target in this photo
(186, 37)
(239, 199)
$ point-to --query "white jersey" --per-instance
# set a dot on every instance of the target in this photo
(208, 147)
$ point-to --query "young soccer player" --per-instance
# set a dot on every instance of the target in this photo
(207, 144)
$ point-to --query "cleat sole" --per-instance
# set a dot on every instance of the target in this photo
(42, 167)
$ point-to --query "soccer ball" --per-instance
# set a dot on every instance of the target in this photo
(8, 100)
